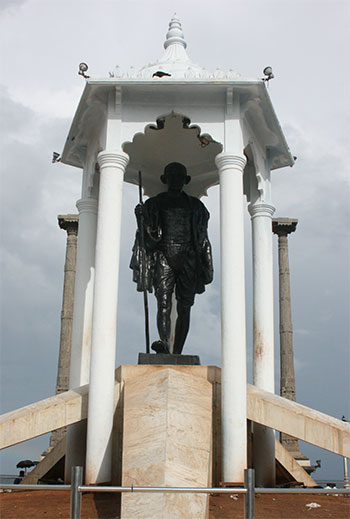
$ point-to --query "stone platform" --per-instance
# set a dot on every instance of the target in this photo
(263, 407)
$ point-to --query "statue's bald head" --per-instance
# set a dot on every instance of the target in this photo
(175, 172)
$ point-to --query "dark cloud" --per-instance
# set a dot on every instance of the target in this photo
(32, 253)
(33, 192)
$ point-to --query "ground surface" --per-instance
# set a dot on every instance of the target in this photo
(56, 505)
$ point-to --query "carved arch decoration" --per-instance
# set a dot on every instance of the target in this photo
(256, 178)
(172, 139)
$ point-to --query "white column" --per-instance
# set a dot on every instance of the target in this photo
(233, 330)
(263, 334)
(104, 326)
(263, 367)
(84, 293)
(82, 321)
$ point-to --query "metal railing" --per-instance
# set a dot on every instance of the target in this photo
(77, 488)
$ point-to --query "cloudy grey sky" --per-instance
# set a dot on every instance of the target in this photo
(42, 42)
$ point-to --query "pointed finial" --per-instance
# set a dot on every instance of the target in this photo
(175, 34)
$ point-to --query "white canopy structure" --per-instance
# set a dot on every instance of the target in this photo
(224, 129)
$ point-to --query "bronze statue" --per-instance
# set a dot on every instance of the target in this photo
(175, 253)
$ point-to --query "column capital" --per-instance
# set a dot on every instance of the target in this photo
(284, 226)
(87, 205)
(227, 160)
(68, 222)
(113, 159)
(261, 209)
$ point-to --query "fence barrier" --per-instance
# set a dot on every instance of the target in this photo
(249, 491)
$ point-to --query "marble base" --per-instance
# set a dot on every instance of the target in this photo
(170, 360)
(167, 437)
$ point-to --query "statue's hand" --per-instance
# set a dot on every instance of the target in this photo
(139, 211)
(140, 214)
(207, 261)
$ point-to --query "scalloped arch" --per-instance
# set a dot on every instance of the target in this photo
(172, 138)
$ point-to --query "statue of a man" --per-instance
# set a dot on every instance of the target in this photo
(176, 254)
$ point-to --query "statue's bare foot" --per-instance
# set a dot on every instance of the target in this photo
(160, 347)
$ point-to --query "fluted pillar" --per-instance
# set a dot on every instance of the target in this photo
(69, 223)
(263, 334)
(104, 324)
(282, 227)
(233, 329)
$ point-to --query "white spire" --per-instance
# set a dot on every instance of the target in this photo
(175, 63)
(175, 34)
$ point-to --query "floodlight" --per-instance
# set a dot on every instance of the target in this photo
(82, 69)
(268, 72)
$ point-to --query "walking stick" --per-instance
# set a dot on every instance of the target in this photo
(142, 267)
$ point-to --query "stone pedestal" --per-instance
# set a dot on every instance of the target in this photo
(167, 436)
